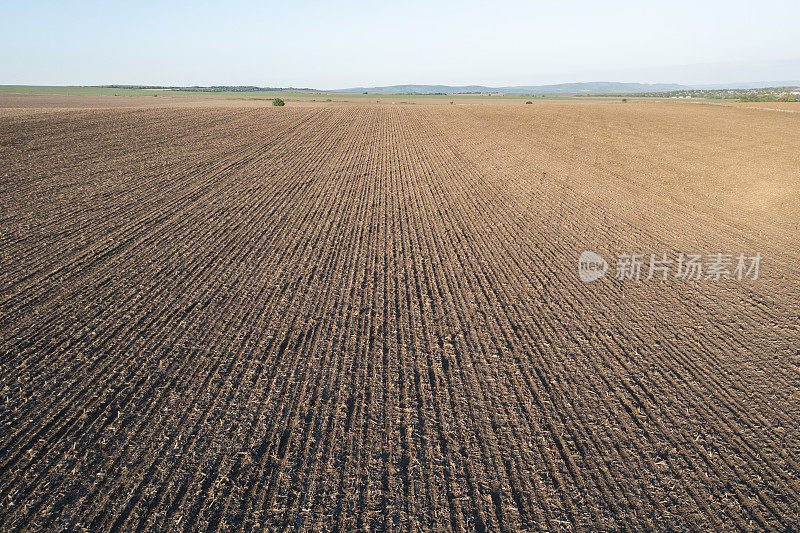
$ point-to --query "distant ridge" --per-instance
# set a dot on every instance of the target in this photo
(585, 87)
(574, 88)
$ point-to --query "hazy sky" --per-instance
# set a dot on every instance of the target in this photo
(330, 45)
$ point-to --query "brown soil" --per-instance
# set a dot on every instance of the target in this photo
(351, 317)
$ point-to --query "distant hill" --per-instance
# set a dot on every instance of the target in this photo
(586, 87)
(749, 85)
(593, 87)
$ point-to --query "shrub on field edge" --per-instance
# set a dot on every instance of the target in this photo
(278, 101)
(528, 102)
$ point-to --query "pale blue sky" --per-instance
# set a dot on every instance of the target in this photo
(343, 44)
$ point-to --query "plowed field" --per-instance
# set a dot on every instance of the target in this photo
(370, 317)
